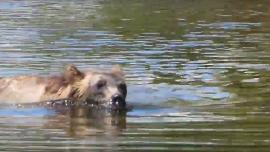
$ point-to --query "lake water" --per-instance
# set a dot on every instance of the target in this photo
(198, 73)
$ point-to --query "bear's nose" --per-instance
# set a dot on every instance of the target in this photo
(118, 101)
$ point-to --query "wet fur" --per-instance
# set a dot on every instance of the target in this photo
(72, 84)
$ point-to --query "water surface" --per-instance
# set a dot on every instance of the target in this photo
(197, 73)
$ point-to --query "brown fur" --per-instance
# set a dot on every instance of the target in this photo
(54, 84)
(72, 84)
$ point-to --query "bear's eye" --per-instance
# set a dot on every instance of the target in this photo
(101, 84)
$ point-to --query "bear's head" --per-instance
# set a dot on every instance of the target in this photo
(102, 88)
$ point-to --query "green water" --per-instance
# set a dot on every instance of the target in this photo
(198, 73)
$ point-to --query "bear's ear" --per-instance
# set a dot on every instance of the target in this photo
(118, 71)
(72, 74)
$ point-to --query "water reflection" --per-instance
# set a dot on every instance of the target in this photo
(75, 121)
(88, 121)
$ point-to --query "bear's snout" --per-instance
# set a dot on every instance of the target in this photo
(118, 101)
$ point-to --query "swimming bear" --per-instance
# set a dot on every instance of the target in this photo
(93, 86)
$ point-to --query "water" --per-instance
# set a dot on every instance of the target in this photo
(197, 73)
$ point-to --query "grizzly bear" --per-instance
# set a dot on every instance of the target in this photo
(95, 87)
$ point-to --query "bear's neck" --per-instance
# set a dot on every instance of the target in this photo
(58, 88)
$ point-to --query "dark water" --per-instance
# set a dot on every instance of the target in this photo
(198, 73)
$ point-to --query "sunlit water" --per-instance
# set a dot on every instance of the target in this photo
(198, 73)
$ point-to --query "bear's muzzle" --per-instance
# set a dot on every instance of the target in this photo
(118, 101)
